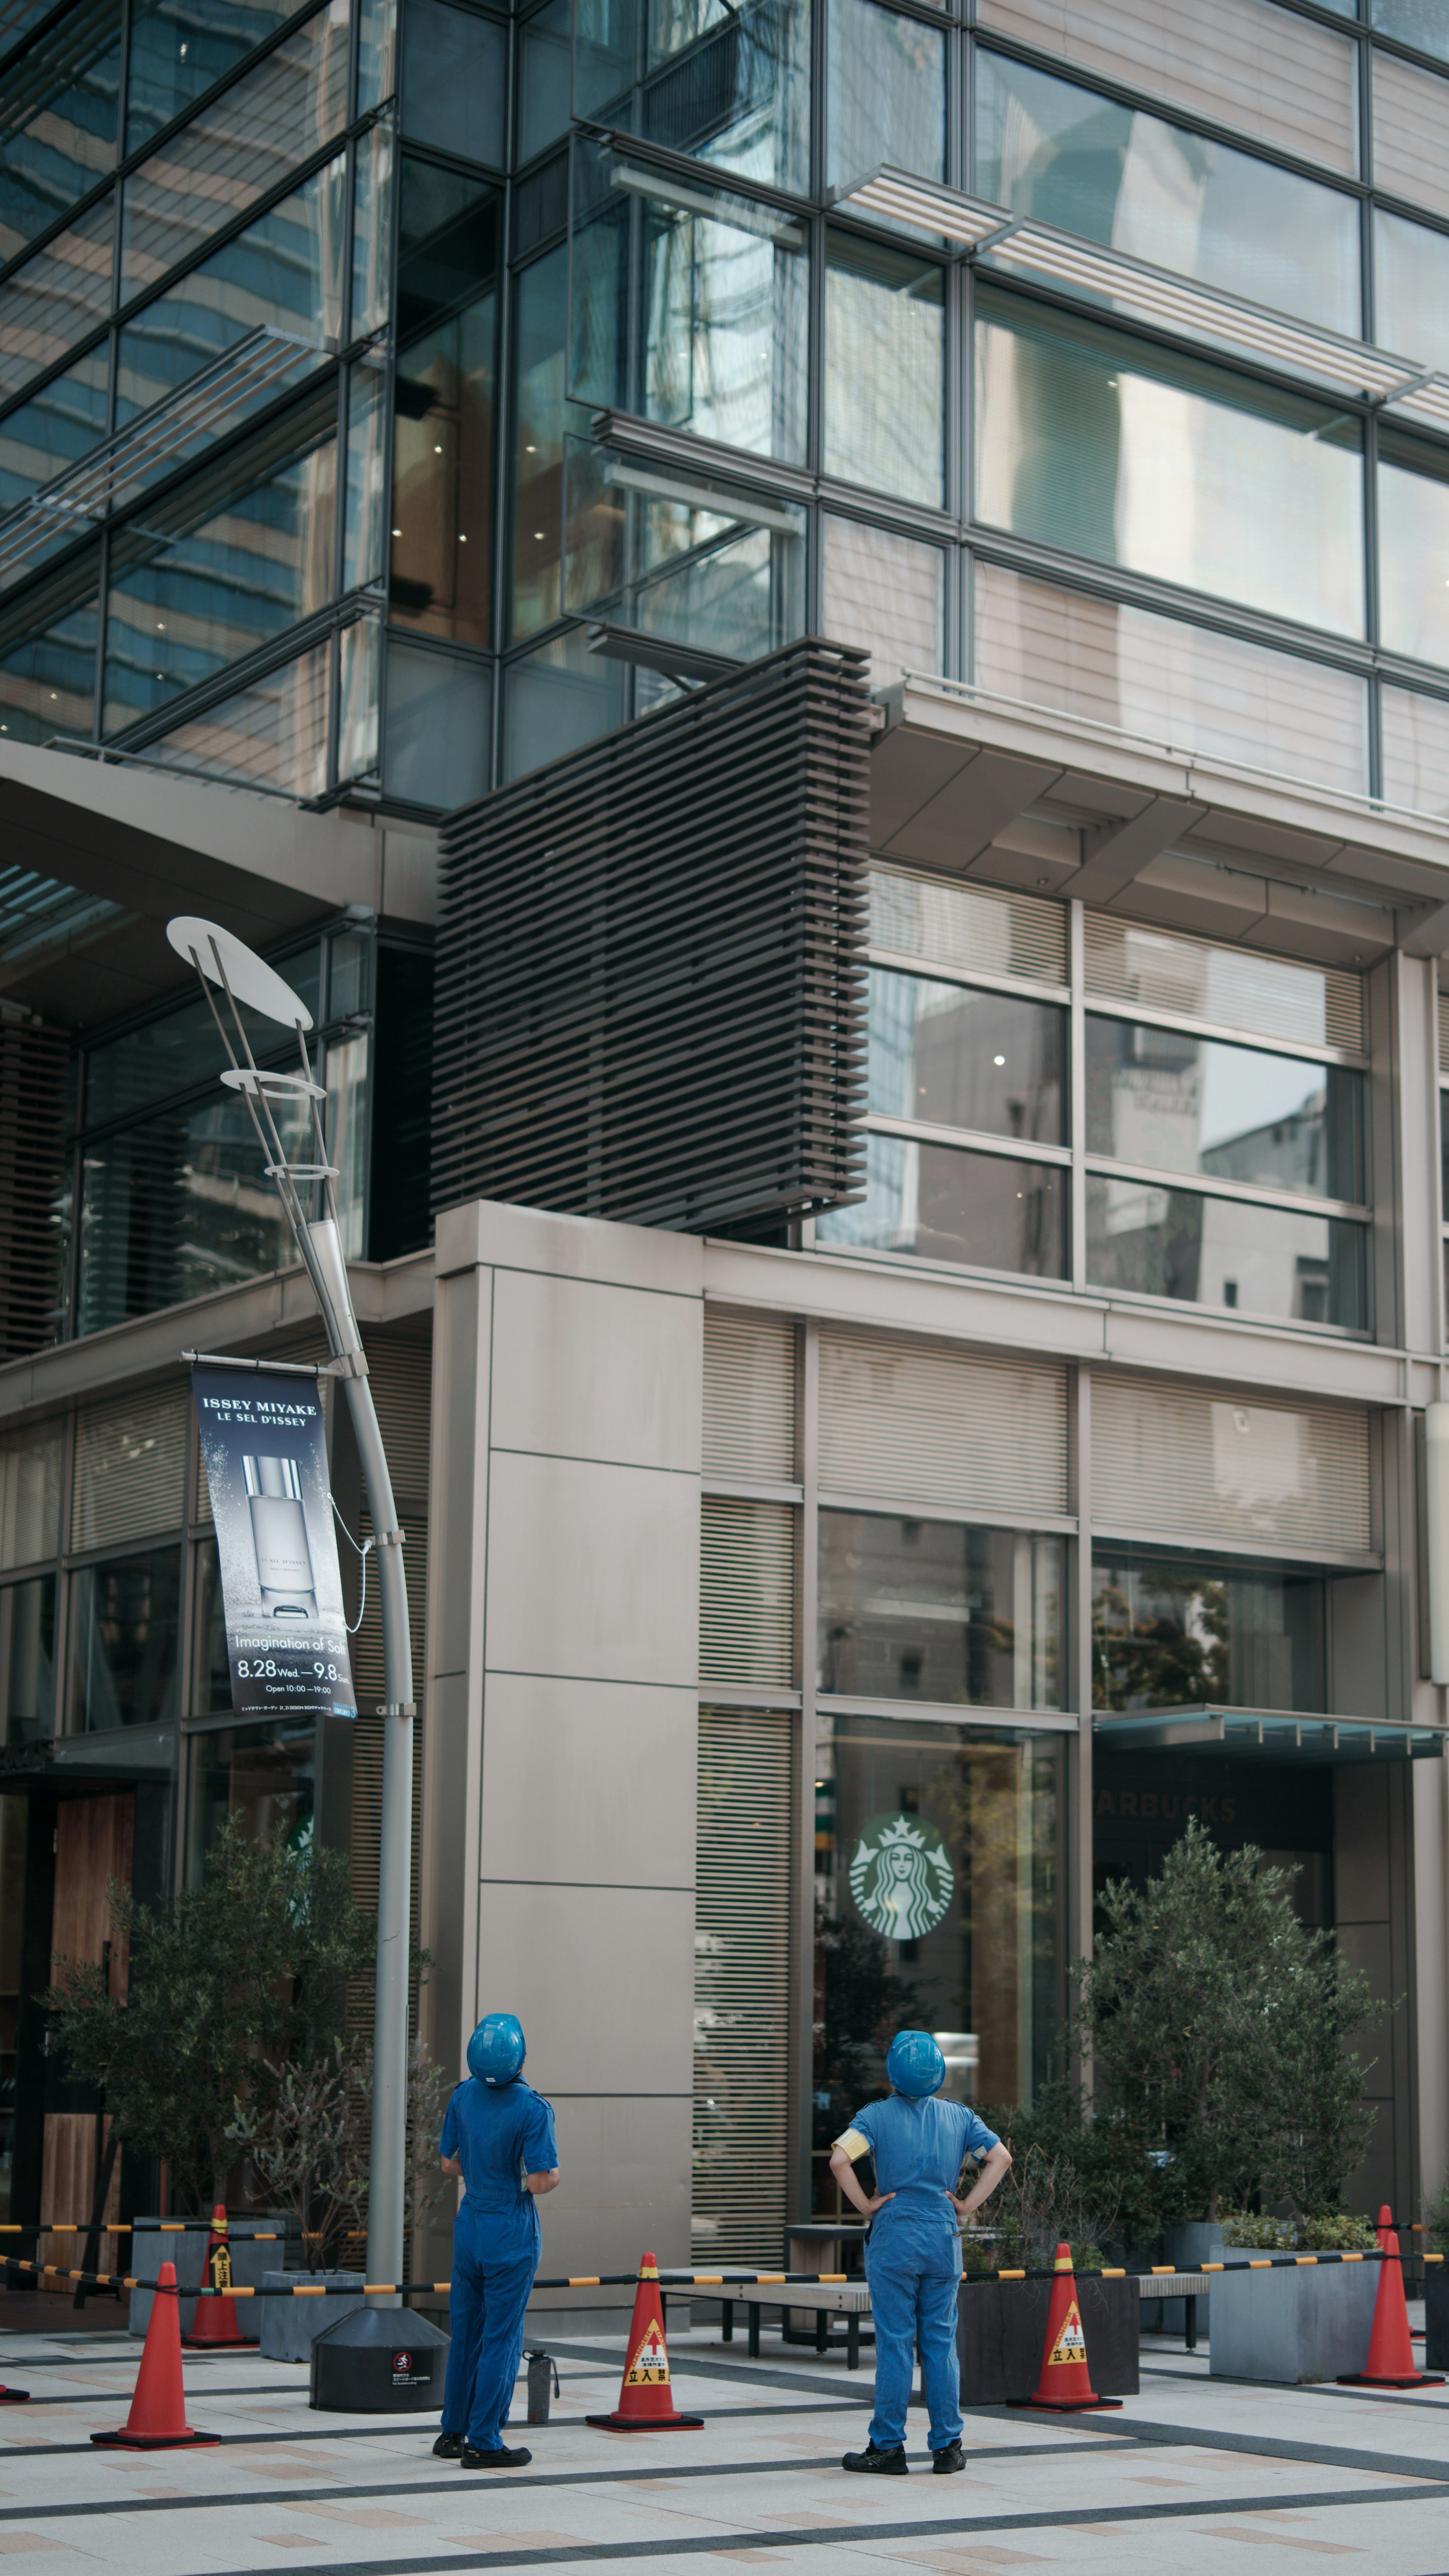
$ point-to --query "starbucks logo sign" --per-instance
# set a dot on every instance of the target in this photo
(900, 1877)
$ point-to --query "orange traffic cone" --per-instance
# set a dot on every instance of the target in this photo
(646, 2400)
(1065, 2384)
(1391, 2353)
(157, 2421)
(215, 2321)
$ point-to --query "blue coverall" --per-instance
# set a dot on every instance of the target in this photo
(497, 2134)
(913, 2255)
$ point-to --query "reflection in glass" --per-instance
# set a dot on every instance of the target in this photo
(1414, 22)
(51, 431)
(124, 1623)
(453, 81)
(887, 94)
(284, 271)
(969, 1824)
(885, 593)
(229, 560)
(545, 70)
(179, 48)
(363, 552)
(27, 1659)
(1413, 497)
(210, 1663)
(985, 1209)
(57, 298)
(1167, 466)
(48, 658)
(730, 590)
(884, 347)
(439, 713)
(271, 734)
(347, 1086)
(725, 84)
(173, 1209)
(1226, 1252)
(181, 1047)
(1411, 288)
(540, 324)
(30, 1494)
(927, 1610)
(58, 125)
(1073, 158)
(265, 1776)
(1167, 1633)
(1186, 1104)
(556, 699)
(965, 1059)
(372, 232)
(443, 410)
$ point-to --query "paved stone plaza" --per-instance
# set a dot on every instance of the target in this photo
(1186, 2474)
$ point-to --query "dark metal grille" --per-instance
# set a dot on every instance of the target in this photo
(34, 1069)
(651, 983)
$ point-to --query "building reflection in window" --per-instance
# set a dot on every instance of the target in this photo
(27, 1660)
(938, 1880)
(125, 1618)
(918, 1609)
(264, 1775)
(1174, 1633)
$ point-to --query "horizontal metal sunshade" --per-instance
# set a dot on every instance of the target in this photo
(34, 1079)
(910, 1423)
(130, 1469)
(747, 1593)
(1443, 1000)
(972, 928)
(1201, 314)
(1271, 997)
(749, 1396)
(741, 1988)
(651, 980)
(1179, 1462)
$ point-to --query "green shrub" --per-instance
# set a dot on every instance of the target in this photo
(1251, 2230)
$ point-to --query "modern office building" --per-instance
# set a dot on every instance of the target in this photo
(819, 635)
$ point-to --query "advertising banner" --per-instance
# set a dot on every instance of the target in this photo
(265, 1453)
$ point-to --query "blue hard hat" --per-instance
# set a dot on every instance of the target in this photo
(915, 2065)
(497, 2048)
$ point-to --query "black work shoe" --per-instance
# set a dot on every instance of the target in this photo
(468, 2458)
(448, 2446)
(878, 2464)
(946, 2463)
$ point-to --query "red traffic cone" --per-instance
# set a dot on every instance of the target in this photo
(1065, 2384)
(1390, 2361)
(157, 2421)
(646, 2400)
(215, 2321)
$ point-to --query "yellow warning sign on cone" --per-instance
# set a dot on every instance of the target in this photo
(650, 2365)
(1071, 2343)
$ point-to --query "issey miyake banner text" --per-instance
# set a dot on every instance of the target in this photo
(264, 1448)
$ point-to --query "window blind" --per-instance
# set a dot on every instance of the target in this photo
(1411, 134)
(1443, 1000)
(969, 927)
(906, 1422)
(747, 1593)
(749, 1396)
(742, 1989)
(1176, 1462)
(1239, 988)
(130, 1468)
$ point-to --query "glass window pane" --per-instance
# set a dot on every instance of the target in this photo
(1413, 548)
(726, 84)
(884, 344)
(1411, 288)
(273, 734)
(1224, 1252)
(1175, 682)
(57, 298)
(27, 1660)
(1167, 467)
(717, 587)
(441, 578)
(48, 658)
(888, 594)
(372, 232)
(30, 1494)
(1167, 1634)
(454, 81)
(545, 72)
(1414, 22)
(124, 1623)
(347, 1088)
(376, 53)
(539, 327)
(363, 549)
(1186, 1104)
(236, 151)
(1416, 751)
(45, 435)
(439, 716)
(265, 1776)
(887, 94)
(58, 121)
(556, 699)
(179, 48)
(283, 272)
(965, 1059)
(1158, 192)
(182, 1048)
(987, 1210)
(924, 1610)
(1411, 132)
(231, 559)
(173, 1209)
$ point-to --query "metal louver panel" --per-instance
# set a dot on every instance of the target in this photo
(34, 1063)
(130, 1468)
(749, 1396)
(907, 1422)
(651, 980)
(742, 1989)
(970, 927)
(1175, 1461)
(747, 1593)
(1444, 1032)
(401, 1375)
(1274, 997)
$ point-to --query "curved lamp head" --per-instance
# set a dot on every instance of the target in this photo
(250, 981)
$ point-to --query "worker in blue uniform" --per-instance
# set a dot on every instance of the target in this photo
(498, 2134)
(913, 2248)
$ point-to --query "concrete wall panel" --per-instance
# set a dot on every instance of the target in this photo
(591, 1371)
(592, 1570)
(625, 2187)
(602, 1979)
(589, 1782)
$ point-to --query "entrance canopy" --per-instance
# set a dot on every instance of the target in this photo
(1273, 1734)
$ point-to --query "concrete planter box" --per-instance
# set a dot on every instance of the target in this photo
(150, 2248)
(1001, 2330)
(290, 2325)
(1292, 2323)
(1436, 2316)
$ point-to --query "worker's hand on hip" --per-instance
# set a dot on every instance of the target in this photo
(877, 2201)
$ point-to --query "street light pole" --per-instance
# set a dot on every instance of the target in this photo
(243, 977)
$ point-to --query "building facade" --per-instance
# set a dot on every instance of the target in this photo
(420, 421)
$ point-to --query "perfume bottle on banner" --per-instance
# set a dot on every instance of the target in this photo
(279, 1536)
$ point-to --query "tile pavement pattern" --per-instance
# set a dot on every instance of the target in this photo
(1191, 2473)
